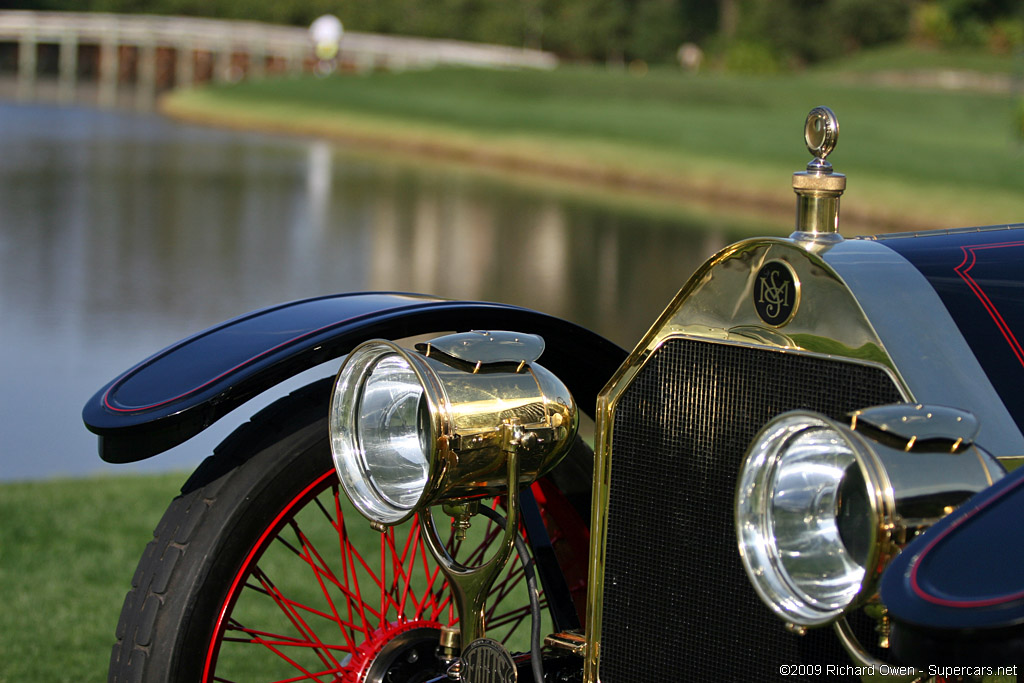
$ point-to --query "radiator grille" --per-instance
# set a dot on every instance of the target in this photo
(677, 603)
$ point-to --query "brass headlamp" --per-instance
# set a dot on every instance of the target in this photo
(410, 429)
(821, 506)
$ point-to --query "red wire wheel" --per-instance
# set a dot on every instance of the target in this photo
(262, 571)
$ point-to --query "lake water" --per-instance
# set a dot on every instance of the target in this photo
(121, 233)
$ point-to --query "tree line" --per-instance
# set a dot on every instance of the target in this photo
(741, 34)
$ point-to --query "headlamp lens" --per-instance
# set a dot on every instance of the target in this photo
(804, 518)
(382, 432)
(392, 430)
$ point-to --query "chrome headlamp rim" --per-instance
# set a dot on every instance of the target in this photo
(343, 417)
(755, 492)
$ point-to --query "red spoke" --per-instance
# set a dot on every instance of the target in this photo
(501, 591)
(285, 640)
(319, 572)
(379, 582)
(445, 604)
(517, 614)
(308, 675)
(388, 589)
(292, 614)
(322, 569)
(412, 587)
(282, 643)
(428, 594)
(316, 676)
(342, 545)
(479, 552)
(407, 592)
(383, 576)
(295, 603)
(349, 554)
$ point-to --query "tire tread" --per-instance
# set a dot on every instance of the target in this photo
(176, 530)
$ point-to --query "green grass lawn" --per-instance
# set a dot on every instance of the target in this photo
(68, 549)
(914, 158)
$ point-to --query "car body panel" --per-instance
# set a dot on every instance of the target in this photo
(947, 368)
(979, 278)
(955, 594)
(180, 391)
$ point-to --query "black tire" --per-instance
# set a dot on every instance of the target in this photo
(260, 558)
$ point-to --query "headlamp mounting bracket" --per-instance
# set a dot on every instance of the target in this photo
(470, 585)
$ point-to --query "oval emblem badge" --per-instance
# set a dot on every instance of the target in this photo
(776, 293)
(487, 661)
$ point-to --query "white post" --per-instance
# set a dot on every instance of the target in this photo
(222, 64)
(108, 72)
(145, 79)
(68, 67)
(27, 66)
(184, 65)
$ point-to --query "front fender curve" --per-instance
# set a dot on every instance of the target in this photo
(177, 393)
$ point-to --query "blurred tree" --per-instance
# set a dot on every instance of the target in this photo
(655, 30)
(805, 31)
(995, 24)
(587, 29)
(985, 11)
(728, 18)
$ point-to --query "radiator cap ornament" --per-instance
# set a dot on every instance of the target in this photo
(818, 188)
(821, 133)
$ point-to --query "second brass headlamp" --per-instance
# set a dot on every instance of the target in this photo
(413, 428)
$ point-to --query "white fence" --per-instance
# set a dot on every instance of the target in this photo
(152, 53)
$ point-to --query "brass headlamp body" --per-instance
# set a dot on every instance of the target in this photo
(822, 507)
(474, 386)
(464, 416)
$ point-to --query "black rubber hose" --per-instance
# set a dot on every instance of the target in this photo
(536, 662)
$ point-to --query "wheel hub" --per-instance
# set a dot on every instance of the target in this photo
(397, 653)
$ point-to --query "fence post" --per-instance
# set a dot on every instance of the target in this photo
(145, 79)
(68, 67)
(27, 49)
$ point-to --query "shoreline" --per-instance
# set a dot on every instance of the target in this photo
(509, 137)
(711, 194)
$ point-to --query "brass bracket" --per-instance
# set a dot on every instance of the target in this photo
(470, 585)
(572, 641)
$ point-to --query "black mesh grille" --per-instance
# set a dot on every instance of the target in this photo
(677, 603)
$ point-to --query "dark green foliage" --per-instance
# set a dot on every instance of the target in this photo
(985, 11)
(807, 31)
(656, 30)
(997, 25)
(768, 33)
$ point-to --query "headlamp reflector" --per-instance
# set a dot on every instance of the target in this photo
(802, 516)
(392, 432)
(805, 518)
(382, 432)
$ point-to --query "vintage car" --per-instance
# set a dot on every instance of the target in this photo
(799, 473)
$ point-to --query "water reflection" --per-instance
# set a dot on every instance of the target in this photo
(120, 233)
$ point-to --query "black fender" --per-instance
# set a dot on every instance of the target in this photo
(177, 393)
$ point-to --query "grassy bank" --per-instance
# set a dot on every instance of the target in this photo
(914, 158)
(68, 549)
